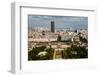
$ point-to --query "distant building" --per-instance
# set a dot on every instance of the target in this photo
(52, 26)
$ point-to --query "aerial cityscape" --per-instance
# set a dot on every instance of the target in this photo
(57, 37)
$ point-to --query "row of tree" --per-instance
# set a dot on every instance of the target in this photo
(74, 52)
(33, 54)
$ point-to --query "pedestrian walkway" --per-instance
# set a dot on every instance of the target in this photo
(57, 55)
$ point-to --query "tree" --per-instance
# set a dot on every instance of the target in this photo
(33, 54)
(59, 38)
(43, 32)
(50, 52)
(84, 40)
(75, 52)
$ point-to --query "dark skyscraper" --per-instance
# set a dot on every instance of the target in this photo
(52, 26)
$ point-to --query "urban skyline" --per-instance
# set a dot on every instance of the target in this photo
(57, 37)
(44, 21)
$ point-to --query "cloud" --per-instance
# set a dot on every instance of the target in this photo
(60, 21)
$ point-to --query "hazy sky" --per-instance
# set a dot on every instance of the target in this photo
(72, 22)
